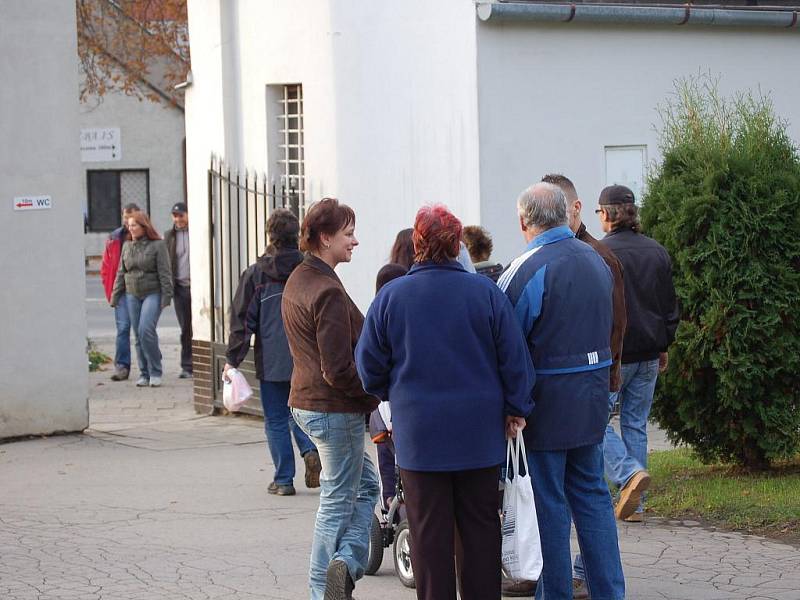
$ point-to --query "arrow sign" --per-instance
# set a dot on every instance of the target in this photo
(33, 203)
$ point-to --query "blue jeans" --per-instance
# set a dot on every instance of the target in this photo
(626, 455)
(568, 485)
(348, 494)
(144, 313)
(279, 426)
(122, 356)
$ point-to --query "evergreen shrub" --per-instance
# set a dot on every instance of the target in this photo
(725, 202)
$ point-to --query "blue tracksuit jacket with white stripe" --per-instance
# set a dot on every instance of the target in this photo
(561, 292)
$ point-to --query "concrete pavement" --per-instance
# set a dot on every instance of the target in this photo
(156, 502)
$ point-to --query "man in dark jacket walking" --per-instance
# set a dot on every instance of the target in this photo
(562, 294)
(177, 240)
(652, 318)
(256, 310)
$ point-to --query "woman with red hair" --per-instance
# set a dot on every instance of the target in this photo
(444, 347)
(145, 278)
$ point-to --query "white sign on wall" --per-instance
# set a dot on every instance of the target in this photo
(625, 165)
(101, 144)
(32, 203)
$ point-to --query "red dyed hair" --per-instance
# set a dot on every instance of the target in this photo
(437, 234)
(143, 220)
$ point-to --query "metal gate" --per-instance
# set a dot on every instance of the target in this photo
(238, 207)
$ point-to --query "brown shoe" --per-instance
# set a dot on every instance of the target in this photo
(631, 494)
(313, 468)
(579, 590)
(518, 588)
(280, 489)
(120, 374)
(636, 517)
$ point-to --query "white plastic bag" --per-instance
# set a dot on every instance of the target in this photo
(235, 390)
(522, 548)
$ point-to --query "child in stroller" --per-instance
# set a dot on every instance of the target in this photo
(390, 528)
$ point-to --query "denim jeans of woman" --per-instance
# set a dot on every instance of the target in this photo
(144, 314)
(349, 490)
(279, 427)
(569, 483)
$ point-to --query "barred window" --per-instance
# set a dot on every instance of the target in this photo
(110, 190)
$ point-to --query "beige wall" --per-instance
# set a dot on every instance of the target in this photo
(43, 365)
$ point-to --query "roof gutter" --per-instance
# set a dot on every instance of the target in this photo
(643, 15)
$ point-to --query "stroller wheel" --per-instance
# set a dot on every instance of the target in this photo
(375, 547)
(402, 555)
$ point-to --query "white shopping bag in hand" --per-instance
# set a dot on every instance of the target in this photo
(522, 549)
(235, 390)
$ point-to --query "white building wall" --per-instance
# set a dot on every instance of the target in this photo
(152, 138)
(552, 96)
(43, 365)
(390, 108)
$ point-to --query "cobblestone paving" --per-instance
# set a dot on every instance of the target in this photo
(155, 502)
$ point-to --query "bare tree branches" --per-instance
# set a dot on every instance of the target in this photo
(137, 47)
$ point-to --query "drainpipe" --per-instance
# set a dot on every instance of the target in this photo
(647, 15)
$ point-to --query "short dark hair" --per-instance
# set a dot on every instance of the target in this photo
(326, 216)
(478, 243)
(131, 207)
(283, 229)
(623, 216)
(437, 234)
(403, 249)
(564, 183)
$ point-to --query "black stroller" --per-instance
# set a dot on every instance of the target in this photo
(390, 526)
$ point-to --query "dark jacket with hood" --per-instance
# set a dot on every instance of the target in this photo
(256, 310)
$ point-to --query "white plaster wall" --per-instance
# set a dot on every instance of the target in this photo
(390, 108)
(551, 96)
(43, 365)
(152, 138)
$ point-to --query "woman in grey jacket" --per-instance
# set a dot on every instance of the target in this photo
(145, 277)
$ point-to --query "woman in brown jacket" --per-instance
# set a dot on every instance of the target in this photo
(327, 399)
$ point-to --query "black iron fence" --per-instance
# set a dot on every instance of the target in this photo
(238, 207)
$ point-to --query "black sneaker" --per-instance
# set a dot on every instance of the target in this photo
(338, 583)
(280, 489)
(185, 374)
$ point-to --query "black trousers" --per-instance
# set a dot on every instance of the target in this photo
(436, 504)
(183, 310)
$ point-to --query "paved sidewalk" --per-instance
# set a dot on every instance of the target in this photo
(156, 502)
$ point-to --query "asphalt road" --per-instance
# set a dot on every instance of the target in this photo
(100, 316)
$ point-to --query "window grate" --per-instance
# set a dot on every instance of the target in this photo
(291, 151)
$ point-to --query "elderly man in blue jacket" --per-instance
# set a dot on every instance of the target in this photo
(561, 292)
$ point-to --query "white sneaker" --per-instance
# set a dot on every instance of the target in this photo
(155, 381)
(142, 381)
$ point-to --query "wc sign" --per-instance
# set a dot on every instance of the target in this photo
(33, 203)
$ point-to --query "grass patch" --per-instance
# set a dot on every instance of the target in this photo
(96, 358)
(761, 502)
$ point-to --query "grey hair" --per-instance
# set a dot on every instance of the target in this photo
(543, 206)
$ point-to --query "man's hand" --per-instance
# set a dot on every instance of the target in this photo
(663, 362)
(225, 371)
(514, 425)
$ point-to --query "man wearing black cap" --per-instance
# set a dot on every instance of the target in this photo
(177, 239)
(652, 318)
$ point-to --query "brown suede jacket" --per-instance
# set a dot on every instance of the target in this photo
(322, 325)
(618, 301)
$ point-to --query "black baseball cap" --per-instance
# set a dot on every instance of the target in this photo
(179, 207)
(616, 194)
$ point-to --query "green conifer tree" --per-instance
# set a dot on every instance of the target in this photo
(725, 202)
